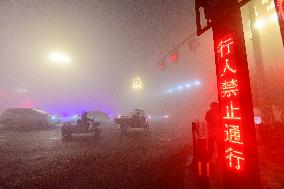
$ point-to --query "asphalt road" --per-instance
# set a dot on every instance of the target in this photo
(41, 159)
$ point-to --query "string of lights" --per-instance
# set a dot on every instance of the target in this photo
(181, 87)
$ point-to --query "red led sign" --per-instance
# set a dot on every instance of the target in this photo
(234, 93)
(227, 74)
(236, 109)
(279, 5)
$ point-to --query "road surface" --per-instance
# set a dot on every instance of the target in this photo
(41, 159)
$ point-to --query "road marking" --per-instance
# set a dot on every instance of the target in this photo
(54, 138)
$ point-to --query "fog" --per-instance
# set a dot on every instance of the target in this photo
(109, 44)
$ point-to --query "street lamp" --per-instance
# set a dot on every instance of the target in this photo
(59, 58)
(259, 24)
(137, 83)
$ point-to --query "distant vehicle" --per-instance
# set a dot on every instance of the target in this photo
(26, 119)
(83, 125)
(137, 119)
(101, 117)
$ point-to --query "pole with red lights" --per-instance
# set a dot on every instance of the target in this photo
(234, 92)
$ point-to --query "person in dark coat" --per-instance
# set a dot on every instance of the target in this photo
(215, 132)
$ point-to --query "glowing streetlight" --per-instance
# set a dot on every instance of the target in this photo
(59, 58)
(259, 24)
(137, 83)
(197, 82)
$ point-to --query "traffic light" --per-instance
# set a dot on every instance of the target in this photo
(174, 57)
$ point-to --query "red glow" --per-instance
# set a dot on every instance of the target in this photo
(173, 58)
(230, 103)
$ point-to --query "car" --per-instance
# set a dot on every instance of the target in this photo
(25, 119)
(137, 119)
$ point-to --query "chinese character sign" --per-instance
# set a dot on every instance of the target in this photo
(279, 5)
(240, 156)
(230, 103)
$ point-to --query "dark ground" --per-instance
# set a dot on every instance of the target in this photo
(271, 155)
(41, 159)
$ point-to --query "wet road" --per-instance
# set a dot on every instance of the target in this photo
(41, 159)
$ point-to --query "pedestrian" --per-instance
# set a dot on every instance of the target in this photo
(214, 126)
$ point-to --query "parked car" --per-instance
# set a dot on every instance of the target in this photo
(25, 119)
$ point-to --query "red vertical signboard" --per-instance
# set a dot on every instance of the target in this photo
(234, 93)
(279, 5)
(230, 103)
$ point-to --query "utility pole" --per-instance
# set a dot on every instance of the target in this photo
(240, 158)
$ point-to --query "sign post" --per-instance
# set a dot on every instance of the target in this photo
(234, 93)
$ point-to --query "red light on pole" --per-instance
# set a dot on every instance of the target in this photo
(174, 57)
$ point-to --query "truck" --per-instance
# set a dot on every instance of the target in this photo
(137, 119)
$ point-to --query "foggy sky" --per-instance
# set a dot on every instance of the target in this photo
(110, 42)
